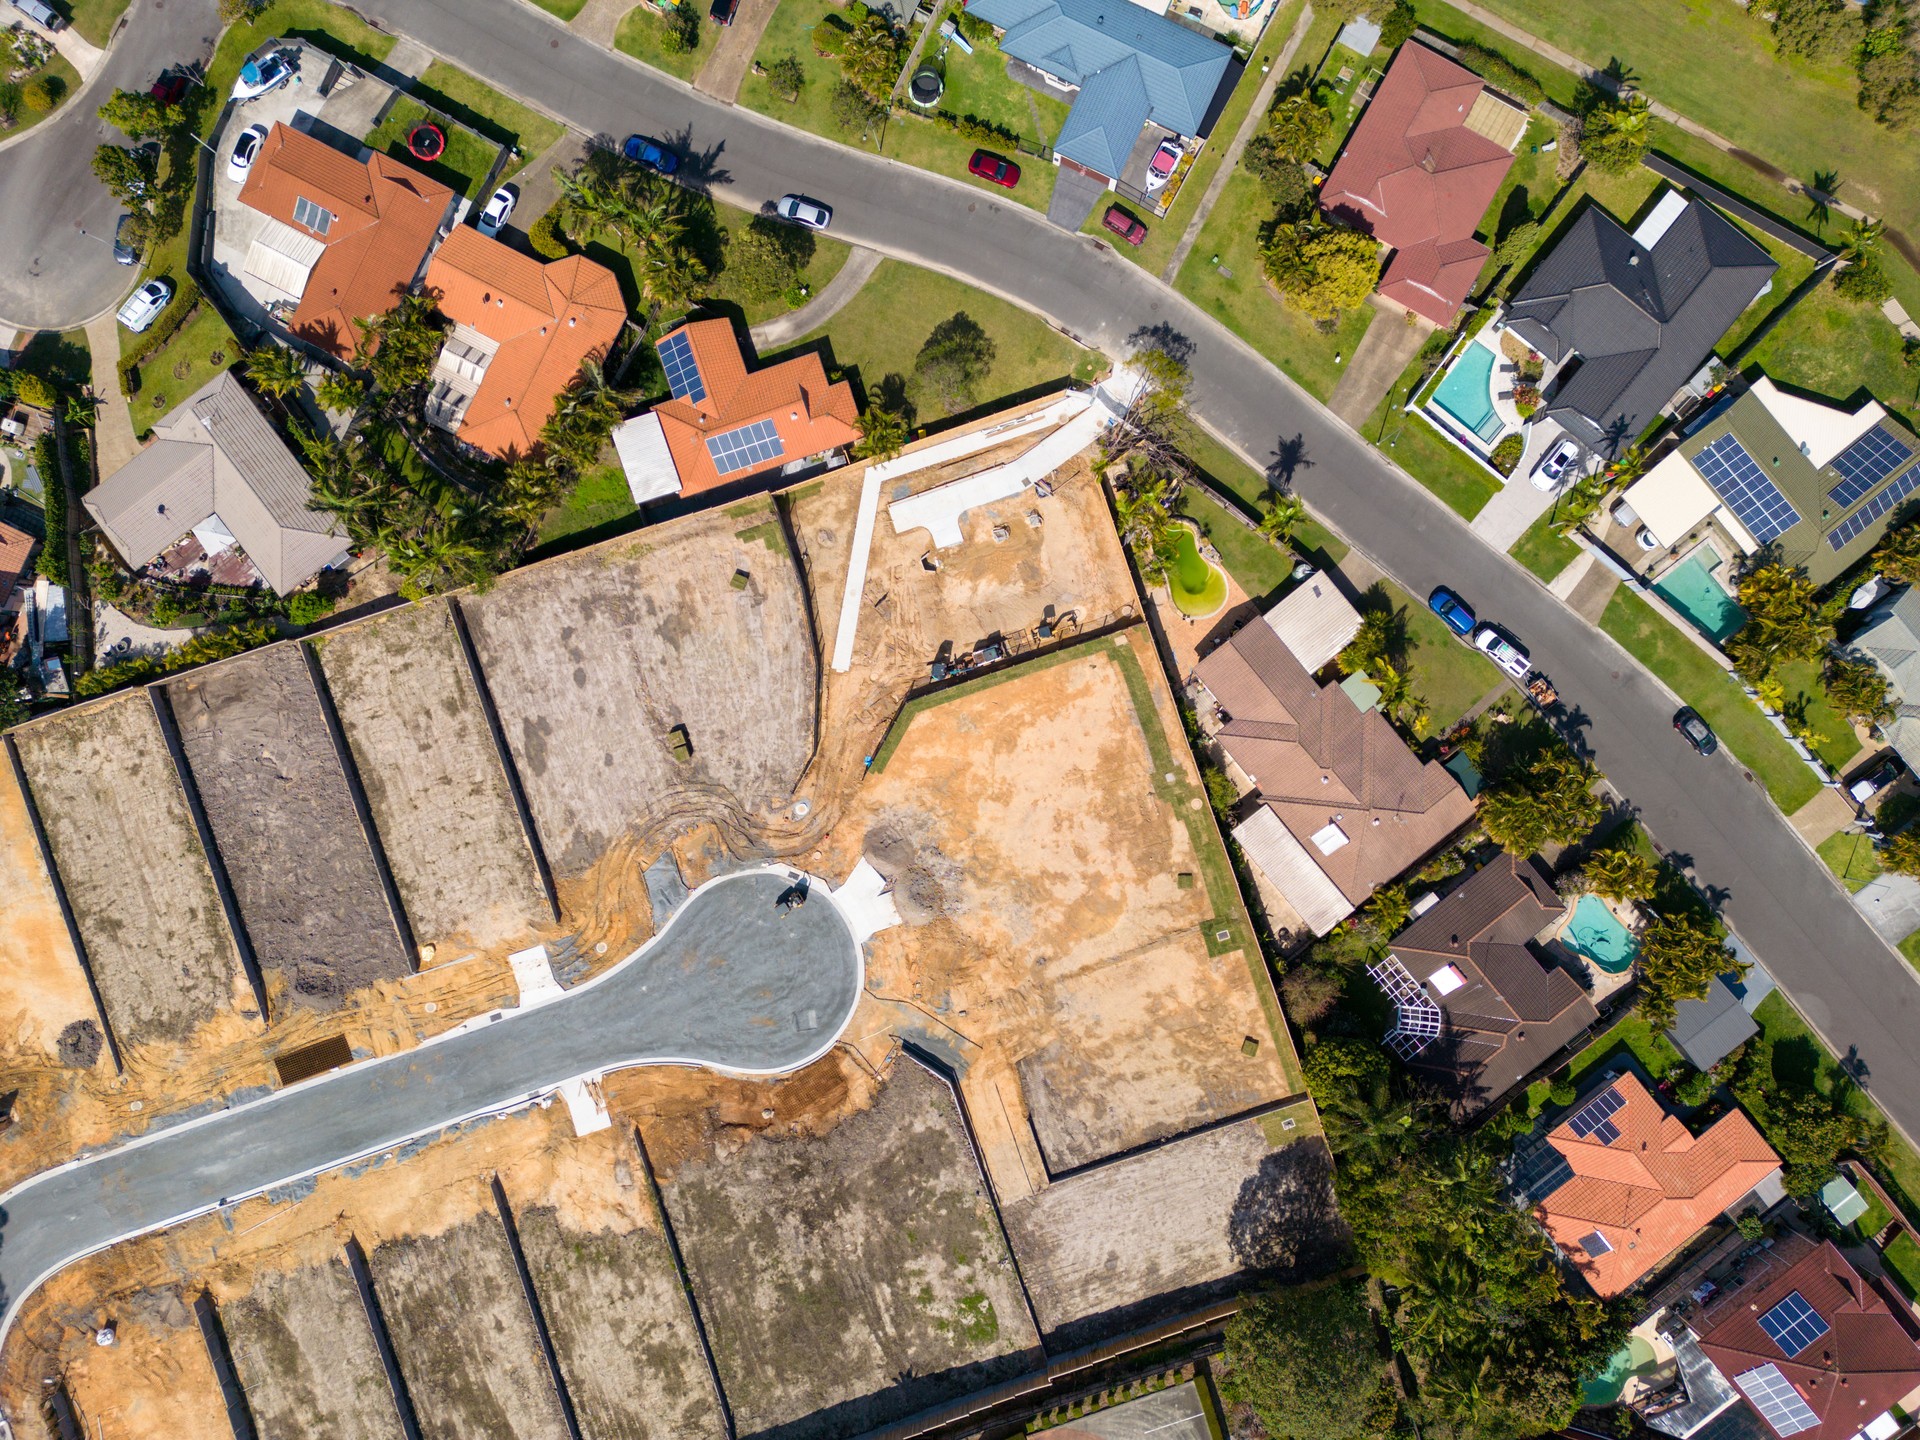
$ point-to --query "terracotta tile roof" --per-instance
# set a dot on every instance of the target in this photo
(1317, 759)
(385, 217)
(1650, 1188)
(16, 549)
(1414, 176)
(547, 317)
(1864, 1364)
(810, 415)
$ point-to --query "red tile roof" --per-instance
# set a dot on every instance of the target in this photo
(1849, 1376)
(811, 415)
(1416, 178)
(16, 549)
(385, 217)
(1650, 1189)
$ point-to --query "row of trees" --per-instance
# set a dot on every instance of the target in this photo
(1877, 38)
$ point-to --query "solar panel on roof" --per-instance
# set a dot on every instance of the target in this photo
(683, 375)
(1596, 1245)
(1538, 1169)
(1793, 1324)
(1866, 462)
(746, 448)
(1593, 1121)
(1851, 527)
(1737, 478)
(1777, 1401)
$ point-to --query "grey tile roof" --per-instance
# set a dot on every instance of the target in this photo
(1641, 320)
(1893, 642)
(1707, 1031)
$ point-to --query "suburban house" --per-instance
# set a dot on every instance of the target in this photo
(1813, 483)
(217, 495)
(1624, 321)
(1892, 642)
(16, 557)
(1418, 172)
(521, 329)
(1136, 77)
(1708, 1030)
(1343, 806)
(723, 423)
(1621, 1184)
(1806, 1346)
(1477, 1005)
(344, 235)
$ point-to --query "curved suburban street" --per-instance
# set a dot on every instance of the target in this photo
(733, 981)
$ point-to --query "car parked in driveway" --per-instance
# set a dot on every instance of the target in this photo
(996, 169)
(1695, 731)
(496, 214)
(650, 153)
(802, 211)
(143, 307)
(246, 148)
(1161, 167)
(1124, 225)
(1876, 780)
(1454, 612)
(1503, 650)
(723, 11)
(42, 13)
(1554, 464)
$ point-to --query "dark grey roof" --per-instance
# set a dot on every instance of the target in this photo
(1641, 321)
(1707, 1031)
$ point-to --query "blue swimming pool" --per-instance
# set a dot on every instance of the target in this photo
(1596, 934)
(1466, 392)
(1691, 589)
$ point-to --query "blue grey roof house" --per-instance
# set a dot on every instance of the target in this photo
(1130, 66)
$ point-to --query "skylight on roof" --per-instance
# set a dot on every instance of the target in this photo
(1446, 979)
(1329, 838)
(316, 218)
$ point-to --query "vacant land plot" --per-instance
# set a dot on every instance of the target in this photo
(306, 1358)
(464, 1336)
(595, 659)
(277, 800)
(623, 1330)
(432, 777)
(134, 872)
(853, 1278)
(159, 1383)
(1167, 1230)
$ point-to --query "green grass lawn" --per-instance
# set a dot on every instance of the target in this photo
(1876, 1218)
(1261, 569)
(600, 500)
(642, 34)
(58, 69)
(1839, 744)
(1902, 1259)
(1851, 856)
(1448, 672)
(1745, 732)
(488, 113)
(462, 167)
(1836, 349)
(1416, 447)
(1794, 268)
(1544, 550)
(1339, 95)
(1910, 948)
(828, 256)
(565, 9)
(1632, 1036)
(187, 363)
(1232, 474)
(94, 19)
(882, 329)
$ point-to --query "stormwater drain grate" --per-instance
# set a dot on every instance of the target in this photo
(806, 1020)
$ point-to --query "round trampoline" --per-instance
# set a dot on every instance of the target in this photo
(426, 141)
(926, 87)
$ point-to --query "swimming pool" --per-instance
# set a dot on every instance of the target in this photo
(1635, 1357)
(1197, 587)
(1595, 933)
(1691, 589)
(1466, 392)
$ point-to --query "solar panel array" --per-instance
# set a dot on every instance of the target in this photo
(1793, 1324)
(1865, 463)
(746, 448)
(1777, 1401)
(1738, 479)
(1879, 505)
(683, 375)
(1594, 1120)
(1539, 1169)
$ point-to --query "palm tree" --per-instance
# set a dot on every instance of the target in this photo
(1281, 517)
(1441, 1308)
(883, 434)
(341, 394)
(1631, 465)
(1863, 235)
(276, 371)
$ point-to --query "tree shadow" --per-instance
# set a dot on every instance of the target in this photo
(1284, 1225)
(1287, 458)
(1175, 344)
(1796, 1063)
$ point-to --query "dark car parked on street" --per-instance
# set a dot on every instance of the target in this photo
(1695, 731)
(1457, 615)
(1124, 225)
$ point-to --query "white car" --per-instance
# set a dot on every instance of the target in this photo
(259, 77)
(1498, 648)
(494, 217)
(802, 211)
(245, 150)
(143, 307)
(1553, 467)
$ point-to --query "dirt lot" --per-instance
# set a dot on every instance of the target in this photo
(305, 1356)
(277, 800)
(432, 778)
(593, 658)
(1161, 1232)
(850, 1279)
(133, 869)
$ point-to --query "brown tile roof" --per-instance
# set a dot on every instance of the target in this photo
(1511, 1012)
(1416, 177)
(1853, 1374)
(1649, 1189)
(16, 550)
(810, 415)
(386, 215)
(1317, 759)
(547, 318)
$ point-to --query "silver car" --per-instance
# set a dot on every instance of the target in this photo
(143, 307)
(802, 211)
(1502, 650)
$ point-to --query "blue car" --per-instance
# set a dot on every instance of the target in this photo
(650, 153)
(1453, 610)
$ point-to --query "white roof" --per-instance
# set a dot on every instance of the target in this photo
(213, 535)
(283, 257)
(1821, 431)
(1660, 219)
(1315, 621)
(1671, 498)
(1291, 870)
(1446, 980)
(642, 448)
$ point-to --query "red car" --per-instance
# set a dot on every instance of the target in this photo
(171, 88)
(990, 167)
(1125, 226)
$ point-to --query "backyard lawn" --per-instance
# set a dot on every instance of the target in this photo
(1902, 1259)
(1851, 856)
(1632, 1036)
(464, 165)
(486, 111)
(1261, 569)
(1544, 550)
(642, 34)
(599, 501)
(1837, 349)
(1744, 731)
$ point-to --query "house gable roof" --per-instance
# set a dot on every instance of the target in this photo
(16, 550)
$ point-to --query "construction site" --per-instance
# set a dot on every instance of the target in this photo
(1064, 1110)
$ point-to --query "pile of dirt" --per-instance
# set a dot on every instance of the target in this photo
(926, 881)
(79, 1044)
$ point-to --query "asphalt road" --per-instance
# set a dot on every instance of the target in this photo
(732, 982)
(53, 277)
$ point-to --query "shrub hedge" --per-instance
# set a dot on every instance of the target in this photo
(186, 304)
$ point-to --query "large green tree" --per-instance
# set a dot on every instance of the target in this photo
(953, 360)
(1784, 622)
(1321, 269)
(1307, 1363)
(1621, 874)
(1679, 957)
(1550, 799)
(1615, 132)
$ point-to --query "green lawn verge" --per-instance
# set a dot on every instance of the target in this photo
(1449, 673)
(642, 34)
(1230, 473)
(462, 167)
(1910, 948)
(187, 363)
(1544, 550)
(1745, 732)
(1420, 450)
(94, 19)
(1851, 857)
(565, 9)
(1837, 743)
(487, 112)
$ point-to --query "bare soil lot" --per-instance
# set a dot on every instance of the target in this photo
(463, 1335)
(305, 1356)
(135, 875)
(594, 658)
(852, 1278)
(432, 778)
(1170, 1229)
(277, 800)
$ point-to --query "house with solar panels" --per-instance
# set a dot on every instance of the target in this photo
(1812, 483)
(1796, 1342)
(724, 425)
